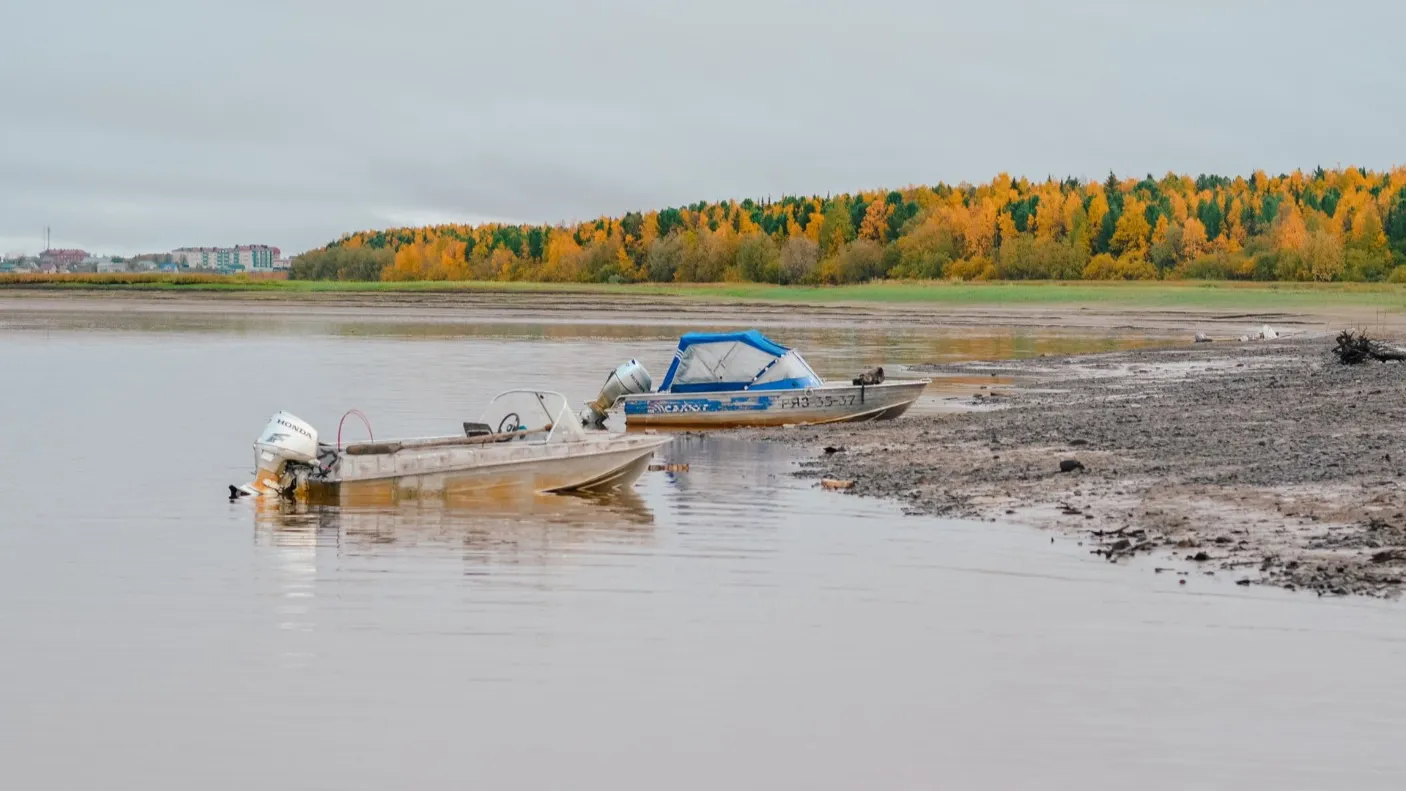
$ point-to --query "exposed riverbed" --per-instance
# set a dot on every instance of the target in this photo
(1266, 461)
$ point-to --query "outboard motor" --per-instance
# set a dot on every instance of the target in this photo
(285, 439)
(629, 379)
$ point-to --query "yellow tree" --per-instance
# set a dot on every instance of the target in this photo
(1005, 229)
(452, 262)
(875, 223)
(1131, 232)
(1234, 237)
(409, 264)
(745, 225)
(1259, 180)
(626, 265)
(1367, 231)
(980, 230)
(1001, 189)
(563, 257)
(1193, 239)
(1324, 256)
(1098, 207)
(794, 228)
(1289, 233)
(1349, 180)
(649, 229)
(504, 263)
(1159, 231)
(1049, 217)
(1297, 181)
(1072, 208)
(814, 226)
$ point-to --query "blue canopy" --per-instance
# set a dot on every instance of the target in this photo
(719, 361)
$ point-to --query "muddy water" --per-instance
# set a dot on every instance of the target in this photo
(724, 627)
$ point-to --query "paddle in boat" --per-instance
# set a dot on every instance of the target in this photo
(732, 379)
(527, 439)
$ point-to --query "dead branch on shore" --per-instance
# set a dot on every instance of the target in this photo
(1355, 347)
(1122, 548)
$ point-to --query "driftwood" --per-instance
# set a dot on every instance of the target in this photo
(1355, 347)
(1122, 548)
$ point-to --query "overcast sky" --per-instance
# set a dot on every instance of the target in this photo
(150, 124)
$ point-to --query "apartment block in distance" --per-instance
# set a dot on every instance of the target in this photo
(60, 259)
(246, 257)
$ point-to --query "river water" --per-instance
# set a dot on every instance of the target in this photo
(726, 627)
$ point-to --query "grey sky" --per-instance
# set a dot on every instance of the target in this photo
(149, 124)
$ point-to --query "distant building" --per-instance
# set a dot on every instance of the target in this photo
(282, 263)
(61, 259)
(246, 257)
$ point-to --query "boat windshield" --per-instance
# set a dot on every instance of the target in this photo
(542, 415)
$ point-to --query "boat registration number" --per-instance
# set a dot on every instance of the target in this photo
(818, 401)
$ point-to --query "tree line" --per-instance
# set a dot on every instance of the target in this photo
(1346, 224)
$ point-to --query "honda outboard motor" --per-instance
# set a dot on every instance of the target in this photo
(285, 439)
(629, 379)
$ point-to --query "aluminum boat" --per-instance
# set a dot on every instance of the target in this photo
(526, 439)
(732, 379)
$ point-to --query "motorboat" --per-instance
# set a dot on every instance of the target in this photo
(526, 439)
(735, 379)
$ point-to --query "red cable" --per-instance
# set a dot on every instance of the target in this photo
(364, 420)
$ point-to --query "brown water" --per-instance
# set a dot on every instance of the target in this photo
(727, 627)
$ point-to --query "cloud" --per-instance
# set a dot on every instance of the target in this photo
(159, 123)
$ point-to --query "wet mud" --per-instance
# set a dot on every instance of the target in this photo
(647, 309)
(1268, 462)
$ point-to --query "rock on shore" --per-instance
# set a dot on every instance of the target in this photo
(1270, 463)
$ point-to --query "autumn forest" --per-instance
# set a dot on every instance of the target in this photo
(1329, 225)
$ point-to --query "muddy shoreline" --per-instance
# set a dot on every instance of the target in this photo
(1266, 461)
(1170, 322)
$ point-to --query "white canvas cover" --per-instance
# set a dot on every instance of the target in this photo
(713, 362)
(724, 361)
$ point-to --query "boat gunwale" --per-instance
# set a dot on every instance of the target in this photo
(897, 399)
(641, 443)
(884, 385)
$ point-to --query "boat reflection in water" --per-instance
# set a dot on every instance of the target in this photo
(497, 525)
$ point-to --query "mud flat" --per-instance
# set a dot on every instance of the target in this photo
(712, 310)
(1266, 461)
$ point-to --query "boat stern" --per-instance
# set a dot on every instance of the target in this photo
(286, 443)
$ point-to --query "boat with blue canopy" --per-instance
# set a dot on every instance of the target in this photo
(728, 379)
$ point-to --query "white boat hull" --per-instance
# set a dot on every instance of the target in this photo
(597, 463)
(732, 409)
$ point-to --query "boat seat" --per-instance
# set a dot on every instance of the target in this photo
(477, 429)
